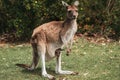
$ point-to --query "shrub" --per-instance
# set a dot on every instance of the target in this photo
(95, 16)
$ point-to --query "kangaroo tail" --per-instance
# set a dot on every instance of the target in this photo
(35, 56)
(35, 52)
(23, 66)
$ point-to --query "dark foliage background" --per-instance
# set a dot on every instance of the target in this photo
(20, 17)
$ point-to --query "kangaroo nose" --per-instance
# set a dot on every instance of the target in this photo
(74, 17)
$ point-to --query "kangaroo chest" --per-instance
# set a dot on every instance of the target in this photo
(69, 33)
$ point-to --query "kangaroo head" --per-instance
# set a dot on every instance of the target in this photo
(72, 10)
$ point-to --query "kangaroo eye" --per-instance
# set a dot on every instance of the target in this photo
(69, 11)
(76, 10)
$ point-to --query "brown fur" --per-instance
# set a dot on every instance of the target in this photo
(48, 40)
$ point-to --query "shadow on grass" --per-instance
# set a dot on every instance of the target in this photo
(37, 71)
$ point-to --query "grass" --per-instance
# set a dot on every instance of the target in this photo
(92, 61)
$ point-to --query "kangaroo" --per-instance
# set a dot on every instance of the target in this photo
(48, 40)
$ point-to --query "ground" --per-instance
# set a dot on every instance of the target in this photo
(93, 61)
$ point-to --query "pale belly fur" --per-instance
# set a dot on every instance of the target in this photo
(51, 47)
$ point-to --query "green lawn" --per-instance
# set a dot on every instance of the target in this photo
(92, 61)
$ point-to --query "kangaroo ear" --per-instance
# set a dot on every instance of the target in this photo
(65, 4)
(76, 3)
